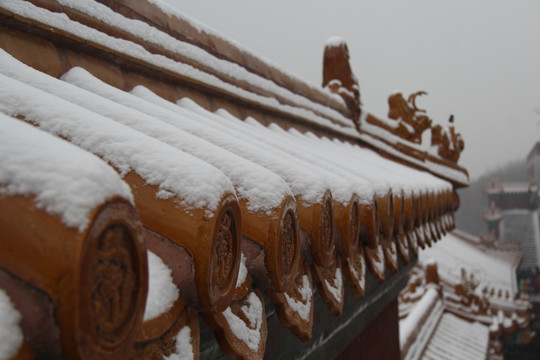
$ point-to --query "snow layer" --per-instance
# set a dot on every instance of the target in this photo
(303, 307)
(162, 292)
(458, 339)
(183, 346)
(381, 173)
(342, 183)
(173, 12)
(336, 288)
(263, 189)
(66, 181)
(11, 336)
(223, 67)
(303, 107)
(254, 311)
(335, 41)
(305, 180)
(452, 254)
(242, 271)
(128, 48)
(420, 324)
(196, 183)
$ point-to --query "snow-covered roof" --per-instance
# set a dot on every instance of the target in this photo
(459, 301)
(458, 339)
(453, 254)
(174, 105)
(66, 181)
(194, 182)
(192, 61)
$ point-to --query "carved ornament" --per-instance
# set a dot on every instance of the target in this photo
(224, 261)
(114, 288)
(449, 143)
(411, 121)
(339, 78)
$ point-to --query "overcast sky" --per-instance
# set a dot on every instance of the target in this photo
(477, 59)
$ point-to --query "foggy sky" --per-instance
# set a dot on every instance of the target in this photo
(478, 60)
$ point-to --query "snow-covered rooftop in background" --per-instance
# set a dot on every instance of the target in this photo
(515, 187)
(452, 254)
(66, 181)
(457, 339)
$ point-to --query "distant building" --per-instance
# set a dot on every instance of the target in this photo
(513, 216)
(462, 301)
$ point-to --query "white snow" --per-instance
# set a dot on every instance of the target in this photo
(302, 107)
(453, 254)
(66, 181)
(11, 336)
(336, 288)
(242, 271)
(419, 325)
(378, 261)
(457, 339)
(254, 311)
(337, 102)
(304, 179)
(183, 346)
(63, 23)
(224, 68)
(342, 183)
(263, 189)
(303, 307)
(382, 174)
(335, 41)
(162, 292)
(196, 183)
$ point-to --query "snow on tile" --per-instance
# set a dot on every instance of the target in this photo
(336, 288)
(264, 190)
(223, 67)
(304, 179)
(378, 261)
(303, 307)
(416, 329)
(253, 310)
(360, 277)
(342, 181)
(458, 339)
(303, 107)
(242, 271)
(381, 173)
(453, 254)
(196, 183)
(66, 181)
(201, 28)
(63, 23)
(182, 345)
(11, 336)
(162, 292)
(334, 41)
